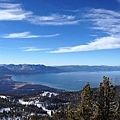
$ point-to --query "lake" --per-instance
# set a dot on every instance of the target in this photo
(70, 80)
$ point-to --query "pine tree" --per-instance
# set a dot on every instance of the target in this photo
(118, 109)
(60, 114)
(69, 113)
(86, 103)
(106, 103)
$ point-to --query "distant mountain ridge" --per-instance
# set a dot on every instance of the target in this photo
(27, 69)
(4, 70)
(32, 69)
(77, 68)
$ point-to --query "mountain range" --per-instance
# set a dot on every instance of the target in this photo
(32, 69)
(77, 68)
(27, 69)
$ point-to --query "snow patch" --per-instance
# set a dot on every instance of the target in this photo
(49, 94)
(4, 109)
(26, 103)
(2, 96)
(36, 103)
(48, 111)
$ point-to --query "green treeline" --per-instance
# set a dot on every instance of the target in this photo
(104, 105)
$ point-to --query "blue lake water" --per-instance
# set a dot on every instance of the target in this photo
(70, 80)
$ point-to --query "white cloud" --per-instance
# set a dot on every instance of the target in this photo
(107, 21)
(12, 12)
(94, 35)
(54, 19)
(118, 1)
(110, 42)
(28, 35)
(9, 6)
(48, 36)
(5, 0)
(21, 35)
(33, 49)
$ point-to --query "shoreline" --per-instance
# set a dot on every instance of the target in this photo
(8, 86)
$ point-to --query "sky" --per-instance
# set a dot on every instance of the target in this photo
(60, 32)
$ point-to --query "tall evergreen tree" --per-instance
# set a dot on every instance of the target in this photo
(86, 103)
(118, 110)
(69, 113)
(106, 103)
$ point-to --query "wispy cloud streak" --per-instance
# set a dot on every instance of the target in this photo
(118, 1)
(5, 0)
(110, 42)
(107, 21)
(12, 12)
(54, 19)
(28, 35)
(33, 49)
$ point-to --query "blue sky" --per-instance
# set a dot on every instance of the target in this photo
(56, 32)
